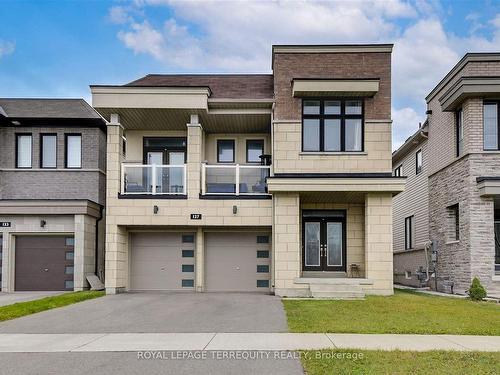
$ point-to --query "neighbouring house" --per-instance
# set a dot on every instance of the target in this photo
(52, 194)
(276, 183)
(452, 196)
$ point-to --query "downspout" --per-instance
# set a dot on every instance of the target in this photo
(101, 209)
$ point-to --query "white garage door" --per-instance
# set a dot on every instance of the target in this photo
(237, 262)
(162, 261)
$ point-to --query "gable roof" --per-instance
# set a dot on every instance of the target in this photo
(222, 86)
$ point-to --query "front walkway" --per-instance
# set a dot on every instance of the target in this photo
(130, 342)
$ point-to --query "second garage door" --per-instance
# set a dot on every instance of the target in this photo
(237, 262)
(162, 261)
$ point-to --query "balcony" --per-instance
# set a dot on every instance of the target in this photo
(153, 179)
(234, 179)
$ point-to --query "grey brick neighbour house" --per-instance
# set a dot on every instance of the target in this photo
(454, 201)
(52, 194)
(276, 183)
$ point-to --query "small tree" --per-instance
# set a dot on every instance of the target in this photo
(476, 291)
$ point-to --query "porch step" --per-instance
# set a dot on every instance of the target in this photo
(336, 291)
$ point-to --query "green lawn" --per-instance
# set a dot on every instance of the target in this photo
(404, 312)
(398, 362)
(19, 309)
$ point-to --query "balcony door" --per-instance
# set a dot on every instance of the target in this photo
(324, 241)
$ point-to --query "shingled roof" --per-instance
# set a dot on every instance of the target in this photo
(47, 108)
(227, 86)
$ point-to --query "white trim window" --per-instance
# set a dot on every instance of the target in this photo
(24, 145)
(73, 150)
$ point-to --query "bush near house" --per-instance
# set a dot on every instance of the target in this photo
(476, 291)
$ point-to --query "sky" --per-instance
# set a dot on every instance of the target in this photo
(57, 48)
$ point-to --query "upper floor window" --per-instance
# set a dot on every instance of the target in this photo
(255, 148)
(460, 132)
(73, 151)
(48, 150)
(398, 172)
(491, 133)
(24, 143)
(332, 125)
(225, 151)
(418, 162)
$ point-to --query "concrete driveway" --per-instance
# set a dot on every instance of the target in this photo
(161, 313)
(10, 298)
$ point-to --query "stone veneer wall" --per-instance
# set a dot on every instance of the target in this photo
(473, 255)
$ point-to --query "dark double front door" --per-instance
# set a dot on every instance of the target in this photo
(324, 241)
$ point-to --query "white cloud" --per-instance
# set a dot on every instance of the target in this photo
(237, 37)
(119, 15)
(405, 123)
(6, 48)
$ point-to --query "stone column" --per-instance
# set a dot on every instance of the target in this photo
(116, 264)
(84, 259)
(6, 263)
(200, 260)
(378, 242)
(286, 245)
(195, 156)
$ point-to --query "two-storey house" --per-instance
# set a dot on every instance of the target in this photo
(276, 183)
(52, 194)
(456, 205)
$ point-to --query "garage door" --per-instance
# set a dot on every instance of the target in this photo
(162, 261)
(44, 263)
(237, 262)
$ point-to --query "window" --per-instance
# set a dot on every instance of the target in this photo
(69, 241)
(225, 151)
(332, 125)
(491, 132)
(453, 223)
(262, 239)
(188, 268)
(460, 132)
(48, 150)
(407, 275)
(187, 283)
(262, 254)
(187, 253)
(255, 148)
(262, 283)
(69, 270)
(73, 150)
(409, 227)
(24, 144)
(418, 162)
(188, 238)
(398, 172)
(262, 268)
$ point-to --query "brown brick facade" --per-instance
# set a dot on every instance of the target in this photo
(331, 65)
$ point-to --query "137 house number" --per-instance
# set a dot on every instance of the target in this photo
(195, 216)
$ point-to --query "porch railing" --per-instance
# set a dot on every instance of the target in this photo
(153, 179)
(234, 179)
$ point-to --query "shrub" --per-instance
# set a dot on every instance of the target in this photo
(476, 291)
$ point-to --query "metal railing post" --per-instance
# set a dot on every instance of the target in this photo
(122, 182)
(237, 179)
(153, 177)
(203, 178)
(184, 190)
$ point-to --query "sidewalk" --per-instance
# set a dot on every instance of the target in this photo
(129, 342)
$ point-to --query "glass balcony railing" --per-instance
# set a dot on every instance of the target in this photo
(153, 179)
(234, 179)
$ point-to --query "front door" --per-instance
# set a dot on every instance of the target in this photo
(323, 243)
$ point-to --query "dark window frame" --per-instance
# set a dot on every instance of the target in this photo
(233, 142)
(342, 117)
(418, 169)
(459, 122)
(66, 135)
(42, 135)
(497, 102)
(261, 141)
(17, 150)
(455, 210)
(409, 229)
(398, 171)
(163, 149)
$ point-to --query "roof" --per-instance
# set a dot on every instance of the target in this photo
(471, 56)
(416, 138)
(47, 108)
(227, 86)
